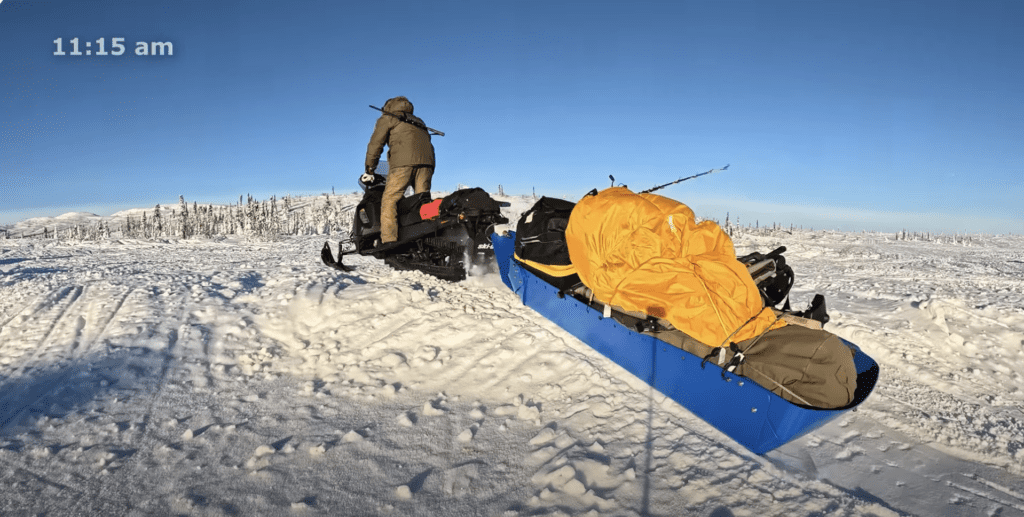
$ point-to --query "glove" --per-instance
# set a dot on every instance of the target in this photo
(370, 169)
(366, 178)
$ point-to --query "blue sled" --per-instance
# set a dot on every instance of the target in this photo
(753, 416)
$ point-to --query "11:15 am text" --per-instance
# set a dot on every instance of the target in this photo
(142, 48)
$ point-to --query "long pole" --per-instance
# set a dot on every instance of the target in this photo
(680, 180)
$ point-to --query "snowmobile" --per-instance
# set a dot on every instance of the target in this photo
(441, 237)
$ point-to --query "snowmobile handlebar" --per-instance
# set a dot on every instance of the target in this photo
(375, 180)
(403, 118)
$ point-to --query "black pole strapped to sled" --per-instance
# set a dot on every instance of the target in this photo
(403, 118)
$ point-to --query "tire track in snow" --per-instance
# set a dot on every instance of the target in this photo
(77, 294)
(145, 427)
(67, 346)
(1017, 503)
(117, 309)
(40, 306)
(26, 395)
(34, 302)
(173, 336)
(87, 490)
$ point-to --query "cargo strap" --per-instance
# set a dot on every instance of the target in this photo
(720, 350)
(783, 388)
(737, 358)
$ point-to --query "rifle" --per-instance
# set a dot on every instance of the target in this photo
(403, 118)
(680, 180)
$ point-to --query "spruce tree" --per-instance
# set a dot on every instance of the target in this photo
(158, 222)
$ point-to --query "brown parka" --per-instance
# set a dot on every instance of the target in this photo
(408, 145)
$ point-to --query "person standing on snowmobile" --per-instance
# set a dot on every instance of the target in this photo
(410, 159)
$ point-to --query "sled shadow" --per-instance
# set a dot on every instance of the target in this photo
(57, 391)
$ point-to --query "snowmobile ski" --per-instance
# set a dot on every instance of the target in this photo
(328, 259)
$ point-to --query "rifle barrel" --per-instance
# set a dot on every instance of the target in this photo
(430, 130)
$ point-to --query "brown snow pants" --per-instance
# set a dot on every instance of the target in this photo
(399, 178)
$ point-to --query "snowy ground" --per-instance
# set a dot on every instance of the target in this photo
(224, 377)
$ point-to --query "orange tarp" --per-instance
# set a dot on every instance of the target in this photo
(646, 253)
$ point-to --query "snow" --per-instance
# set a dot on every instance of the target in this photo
(228, 376)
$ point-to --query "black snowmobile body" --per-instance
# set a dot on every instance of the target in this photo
(445, 246)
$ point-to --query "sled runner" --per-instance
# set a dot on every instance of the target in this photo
(745, 411)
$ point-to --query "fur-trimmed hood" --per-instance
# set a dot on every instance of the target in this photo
(398, 104)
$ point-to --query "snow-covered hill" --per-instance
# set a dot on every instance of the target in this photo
(231, 376)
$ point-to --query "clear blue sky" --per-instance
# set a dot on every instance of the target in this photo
(852, 115)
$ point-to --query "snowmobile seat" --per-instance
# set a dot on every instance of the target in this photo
(409, 208)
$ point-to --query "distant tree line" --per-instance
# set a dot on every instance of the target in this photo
(956, 238)
(316, 215)
(258, 220)
(734, 229)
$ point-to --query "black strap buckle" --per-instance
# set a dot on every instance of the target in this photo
(738, 358)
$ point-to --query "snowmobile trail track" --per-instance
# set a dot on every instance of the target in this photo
(113, 314)
(75, 349)
(166, 362)
(66, 298)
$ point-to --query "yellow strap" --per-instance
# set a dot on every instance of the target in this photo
(548, 269)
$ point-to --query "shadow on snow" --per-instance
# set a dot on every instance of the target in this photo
(56, 391)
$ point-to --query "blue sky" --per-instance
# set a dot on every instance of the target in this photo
(874, 115)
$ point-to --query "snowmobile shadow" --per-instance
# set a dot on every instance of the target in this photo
(55, 392)
(6, 262)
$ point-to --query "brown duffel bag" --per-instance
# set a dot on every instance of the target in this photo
(802, 365)
(800, 362)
